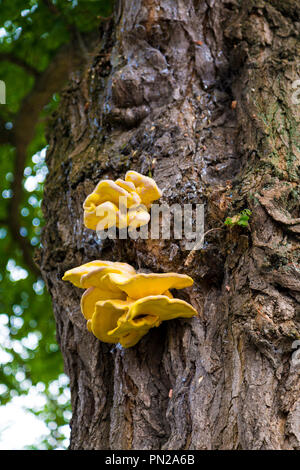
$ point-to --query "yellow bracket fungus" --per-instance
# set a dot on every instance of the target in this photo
(121, 306)
(103, 208)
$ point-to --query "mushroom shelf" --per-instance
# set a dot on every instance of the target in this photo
(121, 306)
(121, 203)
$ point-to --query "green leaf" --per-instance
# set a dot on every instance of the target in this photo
(239, 219)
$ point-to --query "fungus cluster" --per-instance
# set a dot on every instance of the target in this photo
(121, 203)
(120, 305)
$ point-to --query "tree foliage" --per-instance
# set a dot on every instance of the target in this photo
(34, 36)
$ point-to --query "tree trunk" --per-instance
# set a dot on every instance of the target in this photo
(200, 94)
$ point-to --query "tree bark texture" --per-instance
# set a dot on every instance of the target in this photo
(199, 93)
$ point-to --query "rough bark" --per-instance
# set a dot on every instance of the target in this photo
(204, 88)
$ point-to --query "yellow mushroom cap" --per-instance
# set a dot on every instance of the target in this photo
(106, 205)
(143, 285)
(91, 202)
(106, 214)
(120, 306)
(126, 322)
(145, 186)
(84, 276)
(132, 338)
(93, 295)
(108, 190)
(90, 220)
(105, 318)
(137, 217)
(126, 185)
(105, 191)
(134, 198)
(147, 313)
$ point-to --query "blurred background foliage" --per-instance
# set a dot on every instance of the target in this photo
(31, 33)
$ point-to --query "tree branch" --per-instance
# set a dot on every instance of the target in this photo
(9, 57)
